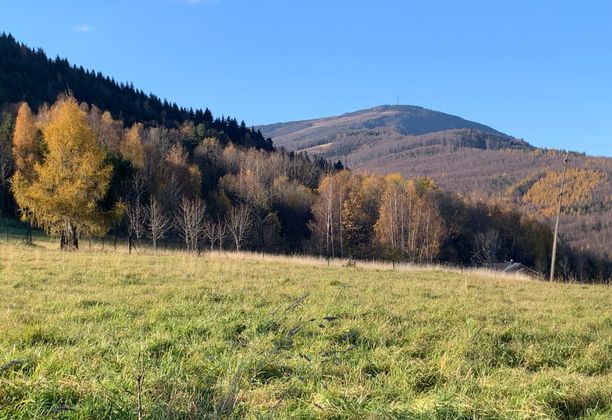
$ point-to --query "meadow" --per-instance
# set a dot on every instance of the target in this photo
(172, 335)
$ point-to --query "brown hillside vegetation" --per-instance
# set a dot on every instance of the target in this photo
(579, 187)
(468, 158)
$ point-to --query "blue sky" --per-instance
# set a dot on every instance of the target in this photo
(540, 70)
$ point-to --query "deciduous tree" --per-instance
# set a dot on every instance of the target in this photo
(487, 247)
(239, 224)
(191, 220)
(158, 223)
(6, 157)
(62, 192)
(25, 145)
(131, 146)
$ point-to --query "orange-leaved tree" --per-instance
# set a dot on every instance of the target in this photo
(25, 142)
(69, 181)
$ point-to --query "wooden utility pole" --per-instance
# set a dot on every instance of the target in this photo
(554, 250)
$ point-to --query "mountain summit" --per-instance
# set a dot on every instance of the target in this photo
(383, 127)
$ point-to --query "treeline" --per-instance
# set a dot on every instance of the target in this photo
(29, 75)
(76, 172)
(147, 170)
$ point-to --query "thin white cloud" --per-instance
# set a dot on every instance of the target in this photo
(83, 27)
(194, 2)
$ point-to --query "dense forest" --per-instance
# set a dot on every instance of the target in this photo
(77, 169)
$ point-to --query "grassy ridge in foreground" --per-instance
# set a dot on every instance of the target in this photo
(253, 337)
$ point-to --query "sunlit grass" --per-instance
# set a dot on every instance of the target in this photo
(248, 335)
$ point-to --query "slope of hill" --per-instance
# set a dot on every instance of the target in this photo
(29, 75)
(462, 156)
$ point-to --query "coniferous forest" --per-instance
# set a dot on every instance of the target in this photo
(82, 155)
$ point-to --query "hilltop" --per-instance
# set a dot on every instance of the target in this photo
(377, 128)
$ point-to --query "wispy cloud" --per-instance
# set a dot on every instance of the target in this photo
(83, 27)
(194, 2)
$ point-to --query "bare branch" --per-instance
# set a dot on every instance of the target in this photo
(158, 223)
(191, 220)
(239, 223)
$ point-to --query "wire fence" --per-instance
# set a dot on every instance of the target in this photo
(12, 232)
(15, 232)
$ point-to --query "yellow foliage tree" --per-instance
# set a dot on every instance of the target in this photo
(182, 178)
(70, 180)
(131, 146)
(327, 226)
(25, 149)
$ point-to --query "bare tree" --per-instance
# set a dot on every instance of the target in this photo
(136, 211)
(6, 166)
(211, 232)
(158, 223)
(136, 219)
(174, 191)
(191, 220)
(6, 159)
(221, 232)
(239, 224)
(488, 247)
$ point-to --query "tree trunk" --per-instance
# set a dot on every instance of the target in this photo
(75, 238)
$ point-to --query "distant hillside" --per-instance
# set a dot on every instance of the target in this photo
(466, 157)
(29, 75)
(383, 127)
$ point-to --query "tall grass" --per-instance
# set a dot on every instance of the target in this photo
(249, 335)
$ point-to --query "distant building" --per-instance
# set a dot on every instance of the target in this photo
(515, 267)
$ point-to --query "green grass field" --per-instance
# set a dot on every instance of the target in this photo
(262, 337)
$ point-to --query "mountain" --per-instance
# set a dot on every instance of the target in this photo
(383, 127)
(466, 157)
(29, 75)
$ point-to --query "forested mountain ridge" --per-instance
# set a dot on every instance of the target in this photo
(468, 158)
(29, 75)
